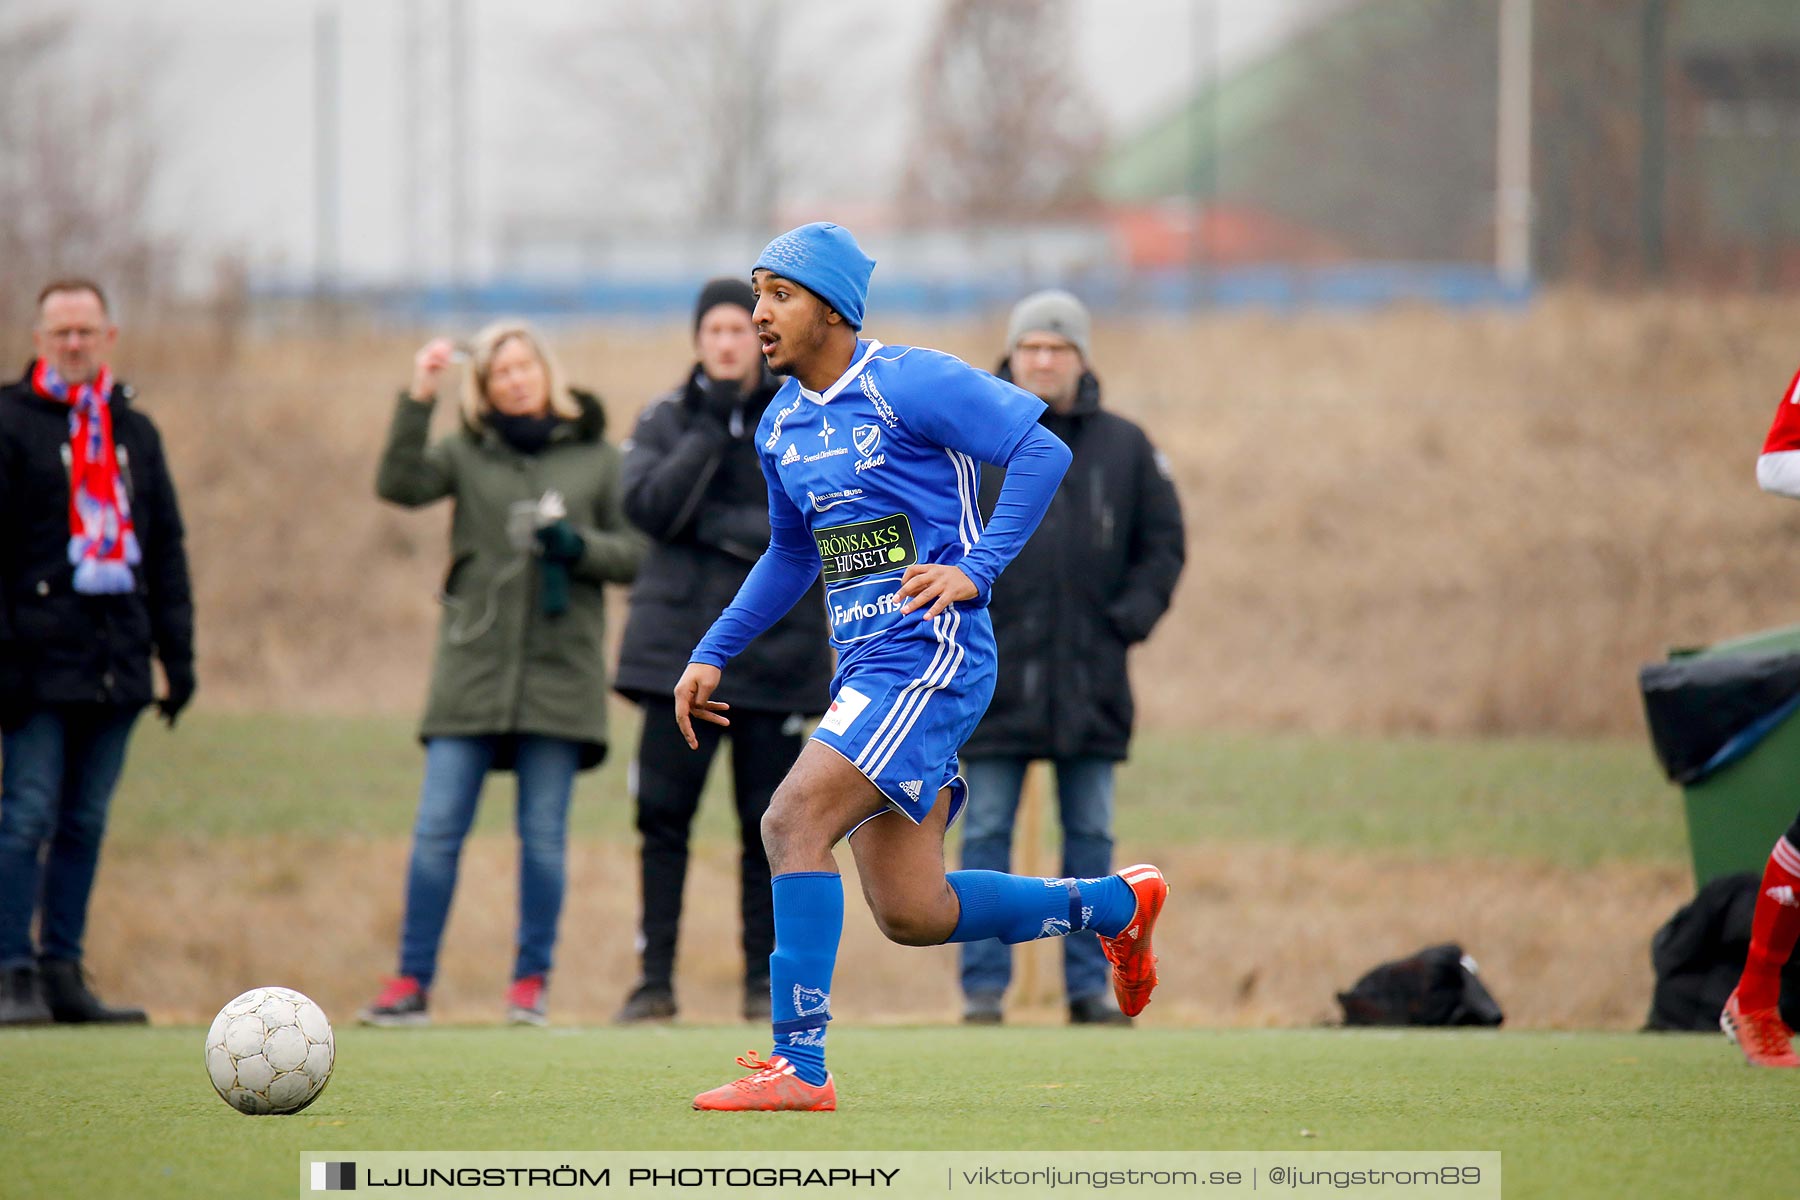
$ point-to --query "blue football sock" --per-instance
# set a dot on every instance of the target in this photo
(809, 920)
(1111, 904)
(1016, 908)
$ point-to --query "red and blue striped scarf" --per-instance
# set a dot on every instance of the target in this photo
(103, 545)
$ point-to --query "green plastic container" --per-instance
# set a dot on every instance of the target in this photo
(1735, 815)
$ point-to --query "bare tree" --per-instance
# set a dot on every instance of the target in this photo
(1002, 131)
(716, 107)
(1588, 151)
(675, 90)
(76, 165)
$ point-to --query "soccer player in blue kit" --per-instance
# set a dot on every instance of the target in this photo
(871, 455)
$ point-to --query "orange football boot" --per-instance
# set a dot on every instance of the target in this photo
(1133, 964)
(1759, 1033)
(772, 1087)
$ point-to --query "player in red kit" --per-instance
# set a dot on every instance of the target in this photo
(1752, 1018)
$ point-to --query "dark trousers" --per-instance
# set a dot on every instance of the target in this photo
(1084, 797)
(669, 781)
(57, 774)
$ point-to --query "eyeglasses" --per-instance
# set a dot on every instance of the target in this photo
(79, 334)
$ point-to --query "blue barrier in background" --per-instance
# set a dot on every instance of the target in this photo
(1282, 289)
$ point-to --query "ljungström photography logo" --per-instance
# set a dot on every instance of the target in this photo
(334, 1177)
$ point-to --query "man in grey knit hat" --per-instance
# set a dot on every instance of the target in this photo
(1062, 321)
(1091, 582)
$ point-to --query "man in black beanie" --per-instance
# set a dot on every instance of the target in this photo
(693, 483)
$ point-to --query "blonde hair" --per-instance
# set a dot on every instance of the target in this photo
(486, 344)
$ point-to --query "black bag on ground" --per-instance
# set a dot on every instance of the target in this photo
(1699, 953)
(1436, 986)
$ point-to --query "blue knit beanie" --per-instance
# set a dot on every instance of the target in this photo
(824, 259)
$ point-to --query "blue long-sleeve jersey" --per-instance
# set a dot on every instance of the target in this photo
(876, 473)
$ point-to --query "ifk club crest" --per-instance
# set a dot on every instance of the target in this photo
(866, 438)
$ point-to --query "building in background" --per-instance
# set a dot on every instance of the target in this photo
(1664, 134)
(1351, 162)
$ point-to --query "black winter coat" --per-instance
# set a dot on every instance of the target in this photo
(1092, 581)
(59, 646)
(698, 491)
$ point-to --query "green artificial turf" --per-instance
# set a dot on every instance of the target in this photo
(123, 1112)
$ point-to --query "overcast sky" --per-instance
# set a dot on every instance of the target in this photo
(232, 97)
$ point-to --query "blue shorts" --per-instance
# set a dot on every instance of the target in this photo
(900, 716)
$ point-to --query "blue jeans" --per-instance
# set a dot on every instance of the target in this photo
(455, 768)
(57, 774)
(1084, 796)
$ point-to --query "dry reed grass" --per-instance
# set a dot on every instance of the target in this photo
(1255, 935)
(1414, 520)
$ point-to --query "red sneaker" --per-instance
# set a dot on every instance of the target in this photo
(773, 1087)
(1134, 966)
(1759, 1033)
(525, 1001)
(401, 1002)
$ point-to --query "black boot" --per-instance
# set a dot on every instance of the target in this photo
(71, 1003)
(21, 1000)
(1097, 1009)
(984, 1008)
(648, 1002)
(756, 999)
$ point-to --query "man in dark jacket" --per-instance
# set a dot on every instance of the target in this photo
(1092, 582)
(693, 483)
(93, 581)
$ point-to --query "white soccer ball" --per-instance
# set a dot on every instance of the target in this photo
(270, 1051)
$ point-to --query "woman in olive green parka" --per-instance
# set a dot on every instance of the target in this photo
(518, 681)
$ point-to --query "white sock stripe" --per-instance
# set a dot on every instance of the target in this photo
(900, 702)
(925, 696)
(1786, 856)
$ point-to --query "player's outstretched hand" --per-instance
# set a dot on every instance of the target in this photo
(693, 698)
(936, 584)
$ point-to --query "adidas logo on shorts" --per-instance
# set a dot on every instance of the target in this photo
(912, 787)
